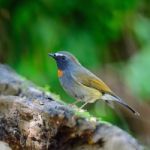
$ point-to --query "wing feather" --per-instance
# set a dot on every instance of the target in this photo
(88, 79)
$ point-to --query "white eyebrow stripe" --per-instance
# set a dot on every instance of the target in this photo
(58, 54)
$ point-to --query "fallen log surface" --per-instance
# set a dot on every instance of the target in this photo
(31, 118)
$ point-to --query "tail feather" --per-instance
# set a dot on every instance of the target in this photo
(113, 97)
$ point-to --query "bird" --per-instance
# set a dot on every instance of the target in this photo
(82, 84)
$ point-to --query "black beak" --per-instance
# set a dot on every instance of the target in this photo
(51, 55)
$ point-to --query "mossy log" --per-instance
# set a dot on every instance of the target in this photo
(32, 119)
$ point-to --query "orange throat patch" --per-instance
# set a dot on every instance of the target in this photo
(60, 73)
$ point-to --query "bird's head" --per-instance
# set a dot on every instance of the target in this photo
(64, 59)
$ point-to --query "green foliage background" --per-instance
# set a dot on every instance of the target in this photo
(98, 32)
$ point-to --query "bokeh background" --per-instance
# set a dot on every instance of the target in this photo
(110, 37)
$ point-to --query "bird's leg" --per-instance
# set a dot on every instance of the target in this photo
(74, 103)
(84, 105)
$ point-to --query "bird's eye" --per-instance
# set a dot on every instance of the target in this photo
(63, 57)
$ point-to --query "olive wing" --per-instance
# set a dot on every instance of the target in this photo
(88, 79)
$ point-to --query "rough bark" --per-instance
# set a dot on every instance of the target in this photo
(31, 118)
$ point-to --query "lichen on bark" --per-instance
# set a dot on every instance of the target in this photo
(31, 118)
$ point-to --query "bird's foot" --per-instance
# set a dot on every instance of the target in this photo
(72, 105)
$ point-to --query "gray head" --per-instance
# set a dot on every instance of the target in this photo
(64, 59)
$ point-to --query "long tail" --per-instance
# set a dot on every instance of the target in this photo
(112, 97)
